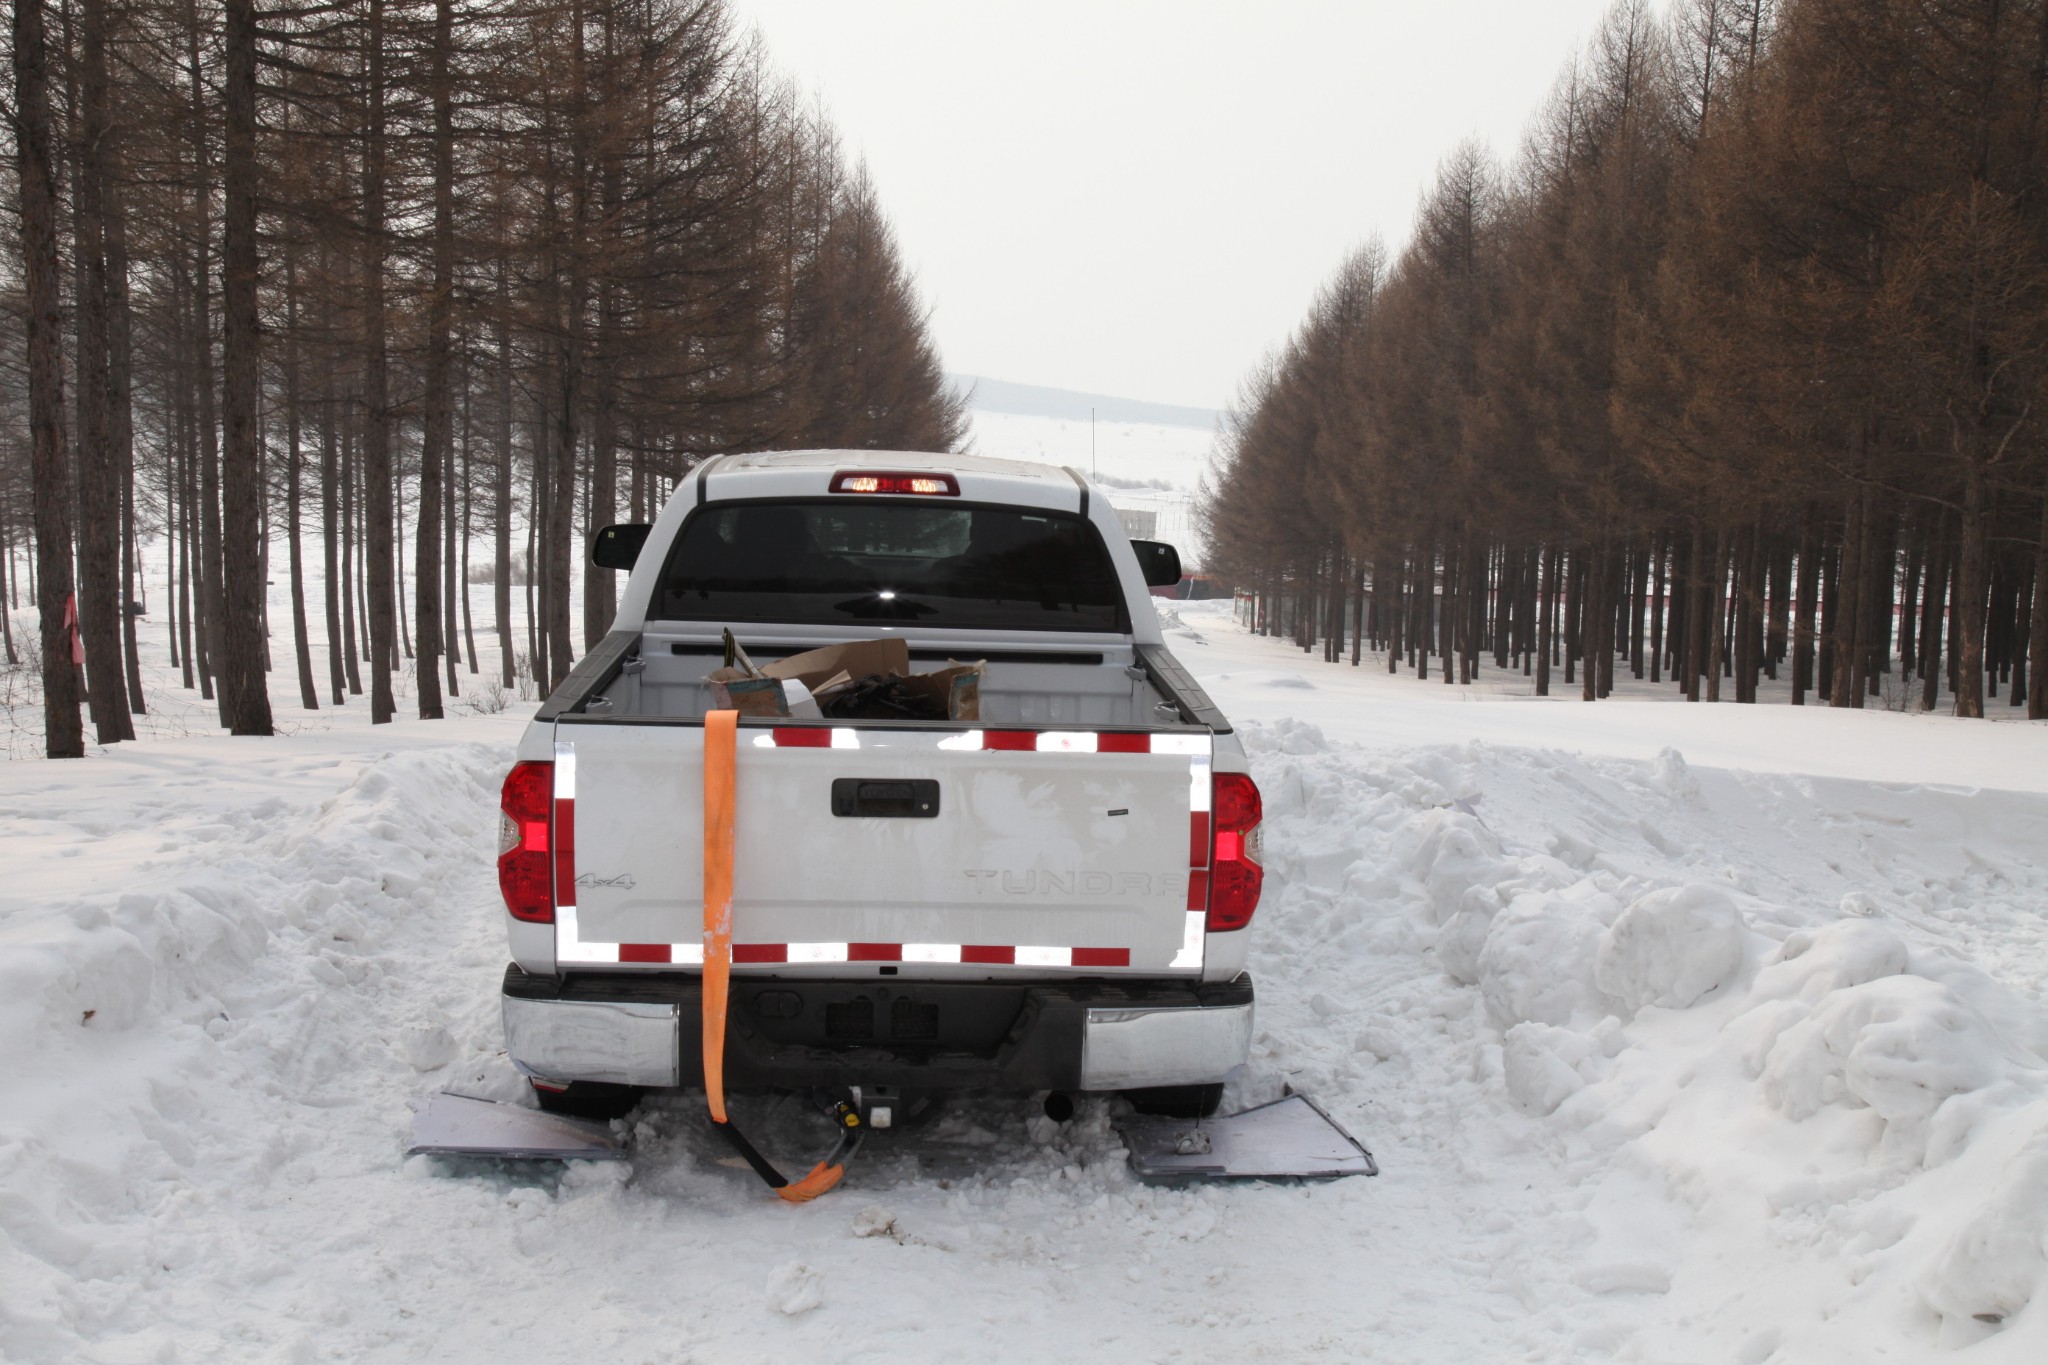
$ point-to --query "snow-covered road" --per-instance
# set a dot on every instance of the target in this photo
(1739, 1055)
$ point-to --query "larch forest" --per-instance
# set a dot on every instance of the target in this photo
(378, 281)
(1737, 371)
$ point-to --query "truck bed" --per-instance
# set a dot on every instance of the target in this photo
(1064, 686)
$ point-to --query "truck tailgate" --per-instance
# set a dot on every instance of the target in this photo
(1057, 851)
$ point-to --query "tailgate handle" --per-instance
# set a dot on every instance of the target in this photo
(913, 798)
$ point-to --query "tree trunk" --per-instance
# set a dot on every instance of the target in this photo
(120, 387)
(1778, 604)
(351, 557)
(1862, 617)
(451, 556)
(7, 590)
(208, 580)
(1884, 585)
(398, 570)
(1638, 606)
(1358, 610)
(461, 573)
(63, 733)
(1447, 641)
(557, 552)
(435, 442)
(329, 548)
(1659, 558)
(1607, 636)
(98, 471)
(2037, 626)
(377, 472)
(172, 437)
(1717, 616)
(302, 646)
(1699, 611)
(540, 466)
(501, 512)
(2022, 637)
(599, 600)
(1838, 610)
(245, 695)
(361, 523)
(1969, 618)
(1749, 617)
(1591, 618)
(188, 666)
(1396, 614)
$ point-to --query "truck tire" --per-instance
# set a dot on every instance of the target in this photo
(1177, 1101)
(588, 1099)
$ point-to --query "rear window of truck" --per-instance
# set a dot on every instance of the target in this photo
(841, 561)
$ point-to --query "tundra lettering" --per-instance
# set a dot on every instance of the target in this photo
(1041, 881)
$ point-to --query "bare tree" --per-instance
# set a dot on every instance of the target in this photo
(64, 737)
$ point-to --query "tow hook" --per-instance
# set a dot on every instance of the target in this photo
(873, 1107)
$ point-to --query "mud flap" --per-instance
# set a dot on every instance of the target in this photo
(459, 1125)
(1291, 1137)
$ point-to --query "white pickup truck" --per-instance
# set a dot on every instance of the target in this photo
(1051, 897)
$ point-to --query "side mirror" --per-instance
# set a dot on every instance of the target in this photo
(618, 547)
(1160, 561)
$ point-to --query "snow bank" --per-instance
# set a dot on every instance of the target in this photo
(1671, 948)
(1665, 967)
(174, 1053)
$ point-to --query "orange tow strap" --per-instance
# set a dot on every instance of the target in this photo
(721, 755)
(721, 758)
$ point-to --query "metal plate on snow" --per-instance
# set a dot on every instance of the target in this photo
(459, 1125)
(1289, 1137)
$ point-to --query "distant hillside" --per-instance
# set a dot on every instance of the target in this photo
(1030, 400)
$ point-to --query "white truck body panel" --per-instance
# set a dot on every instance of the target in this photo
(1029, 851)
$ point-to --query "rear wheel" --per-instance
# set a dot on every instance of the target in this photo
(587, 1099)
(1177, 1101)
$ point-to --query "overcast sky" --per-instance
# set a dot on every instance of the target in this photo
(1140, 199)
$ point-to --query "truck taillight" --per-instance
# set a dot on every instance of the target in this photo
(1234, 872)
(525, 876)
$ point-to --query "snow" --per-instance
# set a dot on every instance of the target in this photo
(1681, 1033)
(1142, 466)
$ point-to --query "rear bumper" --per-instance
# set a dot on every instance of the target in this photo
(916, 1035)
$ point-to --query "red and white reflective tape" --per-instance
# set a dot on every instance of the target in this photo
(572, 948)
(972, 741)
(804, 954)
(1194, 938)
(569, 946)
(1200, 776)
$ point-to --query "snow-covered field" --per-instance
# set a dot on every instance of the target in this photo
(1710, 1034)
(1142, 465)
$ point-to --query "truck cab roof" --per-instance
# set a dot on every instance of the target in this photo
(811, 475)
(805, 473)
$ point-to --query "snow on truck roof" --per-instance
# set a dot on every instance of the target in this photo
(800, 473)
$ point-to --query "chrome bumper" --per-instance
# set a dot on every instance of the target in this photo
(1068, 1036)
(630, 1043)
(1128, 1049)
